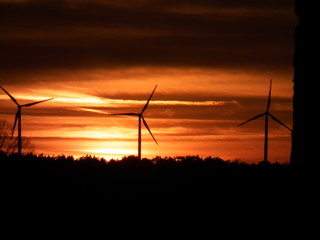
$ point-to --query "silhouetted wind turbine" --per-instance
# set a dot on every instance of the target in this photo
(140, 118)
(266, 114)
(18, 117)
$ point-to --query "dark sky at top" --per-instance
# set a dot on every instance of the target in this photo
(39, 35)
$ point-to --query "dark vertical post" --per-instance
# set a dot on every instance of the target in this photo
(306, 58)
(265, 159)
(19, 133)
(139, 138)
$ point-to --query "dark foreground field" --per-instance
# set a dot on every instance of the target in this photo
(175, 188)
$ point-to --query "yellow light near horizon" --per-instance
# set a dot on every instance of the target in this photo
(62, 126)
(111, 152)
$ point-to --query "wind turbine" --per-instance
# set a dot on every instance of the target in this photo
(18, 117)
(266, 114)
(140, 119)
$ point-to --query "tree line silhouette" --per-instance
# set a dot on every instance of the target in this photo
(158, 189)
(44, 189)
(160, 176)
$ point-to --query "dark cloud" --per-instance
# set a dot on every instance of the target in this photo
(38, 35)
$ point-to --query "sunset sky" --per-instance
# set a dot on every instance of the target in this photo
(211, 59)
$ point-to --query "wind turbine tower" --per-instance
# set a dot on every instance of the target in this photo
(18, 117)
(140, 119)
(266, 114)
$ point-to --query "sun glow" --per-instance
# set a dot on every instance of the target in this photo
(198, 118)
(111, 153)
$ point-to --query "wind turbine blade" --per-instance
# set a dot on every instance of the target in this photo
(124, 114)
(251, 119)
(34, 103)
(146, 125)
(269, 97)
(15, 123)
(278, 121)
(145, 106)
(12, 98)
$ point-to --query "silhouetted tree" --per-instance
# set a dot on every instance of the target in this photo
(8, 145)
(306, 54)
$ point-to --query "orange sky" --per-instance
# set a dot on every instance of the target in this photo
(212, 62)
